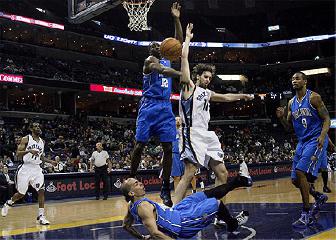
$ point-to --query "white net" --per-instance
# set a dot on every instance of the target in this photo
(137, 11)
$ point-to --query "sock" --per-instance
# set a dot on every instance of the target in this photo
(165, 185)
(306, 210)
(10, 202)
(221, 190)
(41, 211)
(224, 214)
(325, 178)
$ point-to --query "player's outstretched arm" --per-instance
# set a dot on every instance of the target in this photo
(316, 102)
(153, 64)
(127, 225)
(285, 121)
(176, 11)
(146, 213)
(230, 97)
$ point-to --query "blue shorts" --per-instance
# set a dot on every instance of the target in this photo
(177, 166)
(155, 118)
(302, 158)
(197, 212)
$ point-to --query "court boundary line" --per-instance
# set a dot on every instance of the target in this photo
(38, 228)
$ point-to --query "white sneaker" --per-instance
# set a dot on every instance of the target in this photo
(242, 217)
(219, 223)
(42, 220)
(243, 172)
(4, 210)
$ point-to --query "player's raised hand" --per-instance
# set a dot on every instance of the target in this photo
(189, 34)
(280, 112)
(175, 10)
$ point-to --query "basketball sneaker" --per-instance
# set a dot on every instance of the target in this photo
(165, 195)
(305, 220)
(5, 208)
(242, 217)
(319, 201)
(243, 172)
(42, 220)
(219, 223)
(326, 189)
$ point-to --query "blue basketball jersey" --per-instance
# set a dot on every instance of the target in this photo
(155, 85)
(306, 121)
(168, 220)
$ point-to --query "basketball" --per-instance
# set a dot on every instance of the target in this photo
(171, 49)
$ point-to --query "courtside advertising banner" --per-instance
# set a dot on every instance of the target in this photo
(123, 91)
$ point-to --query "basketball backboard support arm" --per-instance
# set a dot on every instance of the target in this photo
(90, 12)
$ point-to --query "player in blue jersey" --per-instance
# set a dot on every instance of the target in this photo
(178, 165)
(187, 217)
(155, 117)
(309, 118)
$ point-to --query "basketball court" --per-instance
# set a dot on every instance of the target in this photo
(273, 206)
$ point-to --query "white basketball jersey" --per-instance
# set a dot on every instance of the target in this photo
(195, 111)
(34, 145)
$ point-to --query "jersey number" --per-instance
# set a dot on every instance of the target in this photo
(164, 83)
(304, 122)
(206, 105)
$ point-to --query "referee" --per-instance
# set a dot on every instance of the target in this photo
(99, 162)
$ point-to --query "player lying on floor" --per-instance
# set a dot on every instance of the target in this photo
(186, 218)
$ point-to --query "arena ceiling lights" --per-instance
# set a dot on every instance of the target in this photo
(316, 71)
(228, 45)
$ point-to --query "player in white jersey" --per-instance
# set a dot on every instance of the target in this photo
(31, 149)
(200, 146)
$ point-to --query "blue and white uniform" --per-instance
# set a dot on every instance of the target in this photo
(185, 219)
(198, 144)
(30, 172)
(155, 117)
(177, 165)
(307, 126)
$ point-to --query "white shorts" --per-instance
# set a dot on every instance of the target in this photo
(29, 174)
(199, 146)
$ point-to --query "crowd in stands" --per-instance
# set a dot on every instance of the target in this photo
(76, 71)
(71, 142)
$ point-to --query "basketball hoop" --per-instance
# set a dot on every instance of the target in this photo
(137, 11)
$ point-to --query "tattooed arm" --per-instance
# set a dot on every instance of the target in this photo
(316, 102)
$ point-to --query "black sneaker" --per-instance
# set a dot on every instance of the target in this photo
(326, 189)
(97, 198)
(165, 196)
